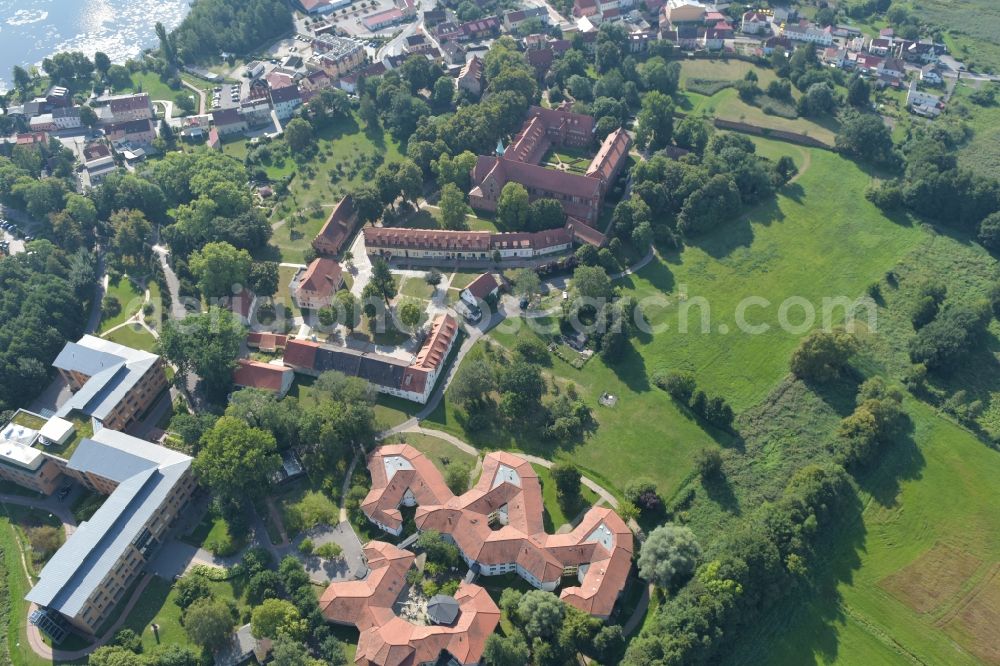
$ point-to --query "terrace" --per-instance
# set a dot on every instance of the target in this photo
(83, 428)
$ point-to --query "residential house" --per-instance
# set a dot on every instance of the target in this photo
(923, 103)
(483, 287)
(125, 108)
(809, 33)
(285, 101)
(314, 287)
(265, 341)
(931, 74)
(135, 131)
(471, 76)
(512, 20)
(683, 11)
(336, 55)
(418, 43)
(453, 52)
(272, 377)
(229, 122)
(66, 117)
(893, 67)
(833, 56)
(880, 46)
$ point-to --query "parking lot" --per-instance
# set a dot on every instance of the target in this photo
(13, 239)
(225, 96)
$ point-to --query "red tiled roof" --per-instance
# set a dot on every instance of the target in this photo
(300, 353)
(601, 541)
(135, 102)
(432, 353)
(337, 228)
(611, 156)
(483, 286)
(323, 277)
(254, 374)
(266, 341)
(387, 639)
(585, 233)
(430, 239)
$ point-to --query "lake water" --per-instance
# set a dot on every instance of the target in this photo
(31, 30)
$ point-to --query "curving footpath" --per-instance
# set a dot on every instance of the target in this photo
(35, 639)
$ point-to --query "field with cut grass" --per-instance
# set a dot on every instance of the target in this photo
(133, 335)
(819, 239)
(129, 297)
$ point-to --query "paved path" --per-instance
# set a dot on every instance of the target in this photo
(100, 288)
(40, 648)
(59, 509)
(201, 96)
(639, 614)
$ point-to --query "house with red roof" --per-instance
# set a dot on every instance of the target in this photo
(483, 287)
(275, 378)
(314, 287)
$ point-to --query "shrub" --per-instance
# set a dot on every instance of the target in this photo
(110, 306)
(680, 384)
(306, 547)
(708, 462)
(328, 551)
(707, 87)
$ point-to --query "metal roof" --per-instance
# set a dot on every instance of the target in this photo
(97, 546)
(112, 369)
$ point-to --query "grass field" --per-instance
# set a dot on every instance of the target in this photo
(129, 297)
(727, 105)
(970, 28)
(133, 335)
(439, 451)
(982, 152)
(157, 606)
(554, 517)
(915, 583)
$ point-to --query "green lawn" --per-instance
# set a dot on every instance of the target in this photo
(418, 288)
(438, 450)
(982, 152)
(133, 335)
(284, 295)
(727, 105)
(554, 517)
(157, 606)
(151, 83)
(84, 428)
(129, 297)
(934, 491)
